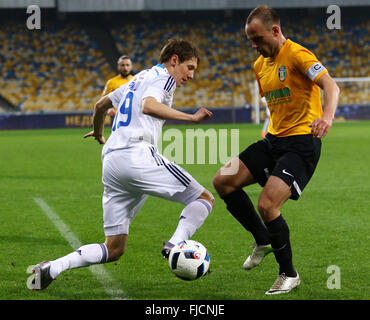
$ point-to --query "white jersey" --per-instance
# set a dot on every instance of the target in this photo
(130, 124)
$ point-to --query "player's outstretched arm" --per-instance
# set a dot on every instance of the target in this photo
(152, 107)
(100, 111)
(320, 127)
(201, 114)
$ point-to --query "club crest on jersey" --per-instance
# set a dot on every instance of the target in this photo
(282, 73)
(133, 86)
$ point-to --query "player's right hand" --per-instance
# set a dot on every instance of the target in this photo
(98, 138)
(111, 112)
(320, 127)
(201, 114)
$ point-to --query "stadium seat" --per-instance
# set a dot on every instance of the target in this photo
(62, 68)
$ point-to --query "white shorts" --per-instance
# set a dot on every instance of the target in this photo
(130, 175)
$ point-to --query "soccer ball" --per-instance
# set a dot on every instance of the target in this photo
(189, 260)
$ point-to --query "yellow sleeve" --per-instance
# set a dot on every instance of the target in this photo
(107, 88)
(257, 68)
(307, 63)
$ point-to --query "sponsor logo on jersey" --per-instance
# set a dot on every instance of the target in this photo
(277, 94)
(282, 73)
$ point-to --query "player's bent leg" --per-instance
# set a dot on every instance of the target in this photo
(234, 175)
(273, 196)
(86, 255)
(191, 219)
(208, 196)
(238, 203)
(116, 246)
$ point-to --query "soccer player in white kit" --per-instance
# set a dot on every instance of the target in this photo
(132, 166)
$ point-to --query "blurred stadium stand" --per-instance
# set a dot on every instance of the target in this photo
(65, 65)
(56, 68)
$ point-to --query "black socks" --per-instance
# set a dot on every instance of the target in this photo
(275, 232)
(279, 237)
(241, 207)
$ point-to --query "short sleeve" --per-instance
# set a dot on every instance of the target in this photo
(259, 87)
(104, 91)
(107, 88)
(159, 87)
(257, 68)
(308, 64)
(116, 95)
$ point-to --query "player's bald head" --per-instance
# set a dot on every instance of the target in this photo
(266, 15)
(123, 57)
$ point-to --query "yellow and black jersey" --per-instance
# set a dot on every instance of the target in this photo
(287, 81)
(114, 83)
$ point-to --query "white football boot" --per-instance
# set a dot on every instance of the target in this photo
(284, 284)
(166, 249)
(258, 253)
(41, 276)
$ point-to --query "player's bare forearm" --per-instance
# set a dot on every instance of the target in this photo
(100, 111)
(98, 122)
(152, 107)
(320, 127)
(331, 97)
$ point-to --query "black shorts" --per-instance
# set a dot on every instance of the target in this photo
(293, 159)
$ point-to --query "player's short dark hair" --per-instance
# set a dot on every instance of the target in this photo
(185, 50)
(124, 56)
(267, 15)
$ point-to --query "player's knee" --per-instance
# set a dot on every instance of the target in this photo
(264, 205)
(217, 183)
(267, 209)
(220, 184)
(207, 195)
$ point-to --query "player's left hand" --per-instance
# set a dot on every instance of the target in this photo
(98, 138)
(320, 127)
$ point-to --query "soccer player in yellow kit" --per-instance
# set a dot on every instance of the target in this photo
(290, 78)
(124, 67)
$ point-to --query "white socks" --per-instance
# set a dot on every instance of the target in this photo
(191, 219)
(83, 257)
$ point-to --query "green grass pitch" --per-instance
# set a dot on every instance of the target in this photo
(329, 224)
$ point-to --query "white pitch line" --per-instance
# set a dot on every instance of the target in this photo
(108, 283)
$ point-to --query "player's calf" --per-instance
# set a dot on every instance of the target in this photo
(116, 246)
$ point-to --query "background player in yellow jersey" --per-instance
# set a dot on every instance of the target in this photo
(290, 78)
(124, 68)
